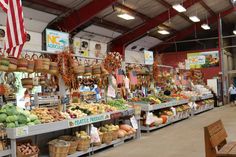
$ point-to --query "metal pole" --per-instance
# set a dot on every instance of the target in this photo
(221, 53)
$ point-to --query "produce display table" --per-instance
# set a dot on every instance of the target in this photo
(145, 107)
(27, 131)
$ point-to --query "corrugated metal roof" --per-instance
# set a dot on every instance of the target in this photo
(150, 8)
(72, 3)
(218, 5)
(198, 10)
(177, 23)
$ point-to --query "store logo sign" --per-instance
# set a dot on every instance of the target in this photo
(56, 41)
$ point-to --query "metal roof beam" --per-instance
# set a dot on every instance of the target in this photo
(119, 43)
(168, 5)
(207, 8)
(79, 17)
(136, 13)
(188, 31)
(48, 4)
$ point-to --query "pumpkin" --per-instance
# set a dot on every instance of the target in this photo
(164, 118)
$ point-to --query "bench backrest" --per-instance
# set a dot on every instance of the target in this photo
(217, 133)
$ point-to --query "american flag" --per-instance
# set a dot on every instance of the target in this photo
(119, 76)
(15, 31)
(133, 77)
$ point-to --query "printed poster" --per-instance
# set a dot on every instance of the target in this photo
(203, 59)
(148, 57)
(56, 40)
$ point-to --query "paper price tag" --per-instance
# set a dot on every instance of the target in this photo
(111, 92)
(149, 119)
(134, 122)
(22, 131)
(173, 110)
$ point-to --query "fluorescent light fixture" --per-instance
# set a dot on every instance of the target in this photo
(234, 32)
(179, 8)
(194, 18)
(163, 32)
(205, 26)
(126, 16)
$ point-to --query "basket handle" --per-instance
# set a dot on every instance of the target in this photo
(27, 56)
(34, 56)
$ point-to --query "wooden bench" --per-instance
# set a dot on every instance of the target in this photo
(215, 141)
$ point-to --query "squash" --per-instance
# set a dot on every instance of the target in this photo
(121, 133)
(125, 127)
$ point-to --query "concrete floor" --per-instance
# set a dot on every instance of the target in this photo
(183, 139)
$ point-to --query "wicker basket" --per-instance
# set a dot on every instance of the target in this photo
(97, 69)
(27, 83)
(115, 135)
(99, 143)
(22, 65)
(42, 64)
(12, 64)
(53, 68)
(73, 143)
(107, 137)
(58, 148)
(83, 144)
(76, 66)
(30, 67)
(81, 70)
(87, 70)
(19, 154)
(4, 63)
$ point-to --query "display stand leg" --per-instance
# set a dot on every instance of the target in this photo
(138, 134)
(13, 147)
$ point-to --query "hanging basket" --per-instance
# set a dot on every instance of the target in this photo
(87, 69)
(27, 83)
(4, 63)
(53, 68)
(22, 65)
(12, 64)
(96, 69)
(30, 67)
(42, 65)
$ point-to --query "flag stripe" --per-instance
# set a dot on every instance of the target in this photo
(13, 21)
(3, 5)
(21, 20)
(15, 31)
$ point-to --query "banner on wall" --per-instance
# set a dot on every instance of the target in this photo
(203, 59)
(56, 40)
(148, 57)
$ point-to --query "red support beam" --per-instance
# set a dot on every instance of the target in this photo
(48, 4)
(110, 25)
(207, 8)
(188, 31)
(168, 5)
(83, 15)
(122, 41)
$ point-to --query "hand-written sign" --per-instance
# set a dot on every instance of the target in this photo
(88, 120)
(22, 131)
